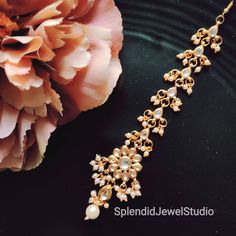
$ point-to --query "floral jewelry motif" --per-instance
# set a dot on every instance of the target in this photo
(140, 141)
(119, 171)
(167, 98)
(206, 37)
(194, 58)
(182, 79)
(154, 119)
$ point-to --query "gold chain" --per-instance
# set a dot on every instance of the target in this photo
(118, 172)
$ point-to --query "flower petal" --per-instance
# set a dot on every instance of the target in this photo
(46, 13)
(5, 146)
(70, 109)
(46, 53)
(33, 158)
(84, 6)
(54, 36)
(105, 14)
(52, 97)
(22, 7)
(25, 45)
(98, 33)
(35, 97)
(24, 124)
(8, 119)
(43, 129)
(4, 4)
(71, 58)
(22, 75)
(92, 86)
(11, 162)
(67, 6)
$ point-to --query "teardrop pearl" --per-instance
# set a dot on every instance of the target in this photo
(92, 212)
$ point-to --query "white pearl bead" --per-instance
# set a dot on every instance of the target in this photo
(92, 212)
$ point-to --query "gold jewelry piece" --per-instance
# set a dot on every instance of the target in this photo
(118, 172)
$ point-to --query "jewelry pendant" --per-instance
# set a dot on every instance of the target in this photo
(117, 174)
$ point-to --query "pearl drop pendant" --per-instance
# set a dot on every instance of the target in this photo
(92, 212)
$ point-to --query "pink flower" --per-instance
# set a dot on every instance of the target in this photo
(57, 58)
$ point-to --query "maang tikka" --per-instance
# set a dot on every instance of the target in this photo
(118, 172)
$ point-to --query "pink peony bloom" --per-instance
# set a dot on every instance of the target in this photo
(57, 58)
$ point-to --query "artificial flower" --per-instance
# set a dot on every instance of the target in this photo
(57, 59)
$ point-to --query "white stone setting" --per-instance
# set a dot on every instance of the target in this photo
(125, 163)
(186, 72)
(137, 158)
(144, 134)
(105, 193)
(212, 32)
(158, 113)
(199, 51)
(172, 92)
